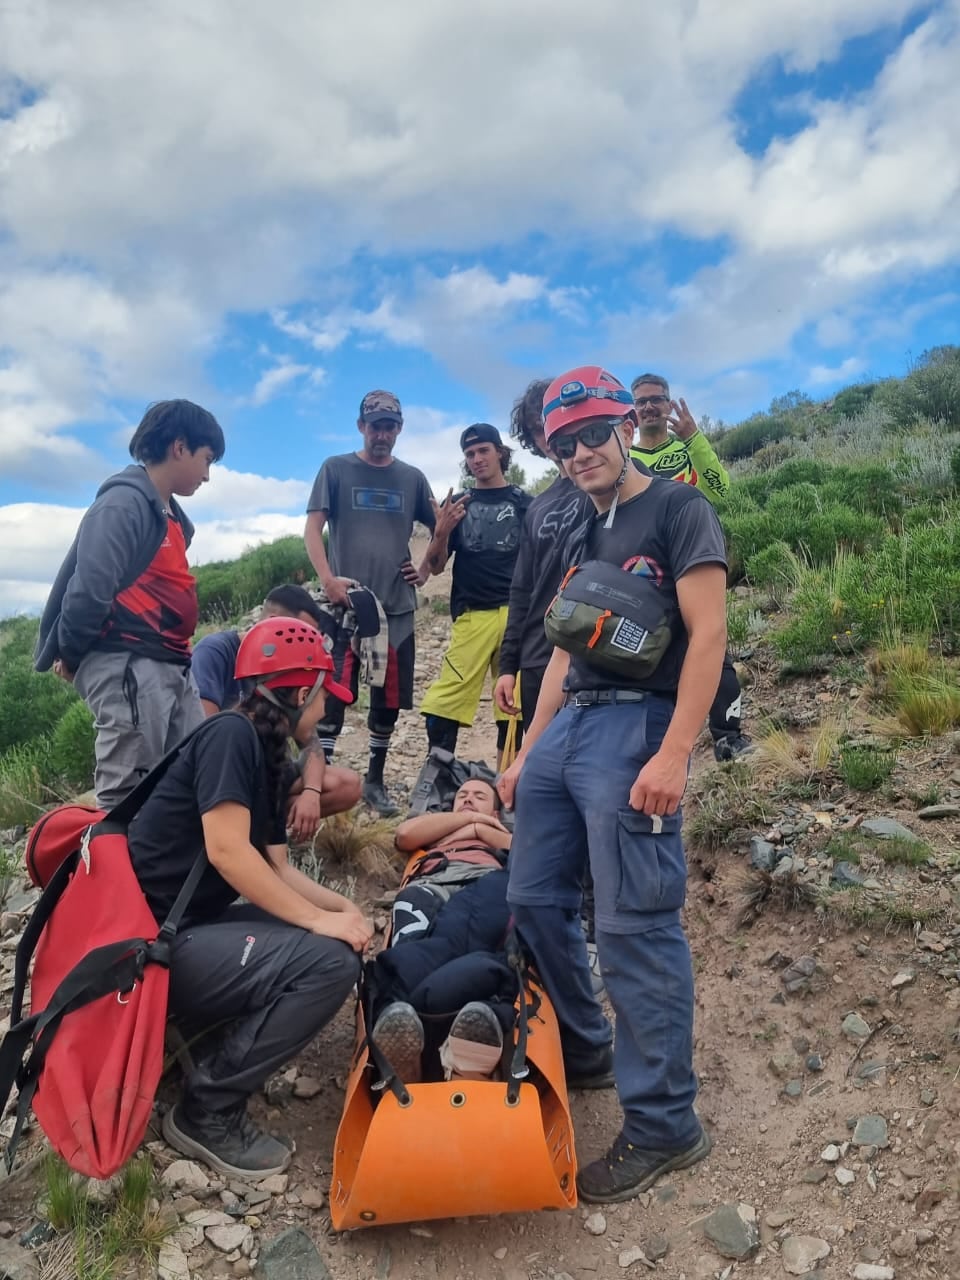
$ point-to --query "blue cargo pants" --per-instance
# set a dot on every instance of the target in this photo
(572, 804)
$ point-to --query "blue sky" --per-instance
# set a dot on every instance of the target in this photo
(274, 214)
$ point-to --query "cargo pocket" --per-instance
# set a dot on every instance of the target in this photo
(653, 871)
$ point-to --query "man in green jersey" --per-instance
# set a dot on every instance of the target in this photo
(671, 445)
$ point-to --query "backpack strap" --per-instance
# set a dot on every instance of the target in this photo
(386, 1076)
(122, 814)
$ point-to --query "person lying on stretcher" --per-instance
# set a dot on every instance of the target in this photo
(443, 990)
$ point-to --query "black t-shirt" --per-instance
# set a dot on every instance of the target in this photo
(222, 763)
(660, 534)
(486, 543)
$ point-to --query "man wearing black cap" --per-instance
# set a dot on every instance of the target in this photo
(370, 500)
(481, 528)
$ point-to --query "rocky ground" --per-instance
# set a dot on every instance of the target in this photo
(826, 1047)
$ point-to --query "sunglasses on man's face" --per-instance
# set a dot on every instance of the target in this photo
(640, 401)
(591, 436)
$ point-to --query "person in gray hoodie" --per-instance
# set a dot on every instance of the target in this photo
(123, 608)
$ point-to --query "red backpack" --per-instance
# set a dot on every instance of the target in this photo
(89, 1056)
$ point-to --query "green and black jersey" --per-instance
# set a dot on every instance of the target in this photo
(691, 461)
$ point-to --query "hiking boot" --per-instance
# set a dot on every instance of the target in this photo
(596, 977)
(472, 1049)
(626, 1171)
(398, 1034)
(228, 1141)
(591, 1073)
(732, 748)
(375, 795)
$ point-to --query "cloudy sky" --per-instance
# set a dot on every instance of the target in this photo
(271, 209)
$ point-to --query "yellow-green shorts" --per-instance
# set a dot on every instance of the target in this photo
(473, 651)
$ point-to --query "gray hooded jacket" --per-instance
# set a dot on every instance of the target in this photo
(116, 542)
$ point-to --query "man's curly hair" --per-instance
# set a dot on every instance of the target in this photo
(527, 413)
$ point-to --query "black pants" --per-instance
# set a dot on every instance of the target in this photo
(262, 989)
(724, 715)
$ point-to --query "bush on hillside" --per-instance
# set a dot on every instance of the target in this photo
(853, 400)
(227, 588)
(930, 390)
(753, 434)
(72, 752)
(30, 704)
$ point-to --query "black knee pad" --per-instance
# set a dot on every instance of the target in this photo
(382, 721)
(442, 732)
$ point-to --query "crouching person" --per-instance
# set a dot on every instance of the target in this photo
(251, 984)
(447, 946)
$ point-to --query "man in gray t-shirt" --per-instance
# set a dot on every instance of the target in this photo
(370, 500)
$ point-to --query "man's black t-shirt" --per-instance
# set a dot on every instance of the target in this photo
(222, 763)
(486, 543)
(660, 534)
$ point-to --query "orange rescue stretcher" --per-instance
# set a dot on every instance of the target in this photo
(409, 1153)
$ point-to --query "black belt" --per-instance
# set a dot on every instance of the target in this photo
(605, 697)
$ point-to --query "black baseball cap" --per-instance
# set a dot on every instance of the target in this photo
(480, 433)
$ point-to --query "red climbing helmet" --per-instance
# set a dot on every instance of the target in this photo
(588, 392)
(284, 653)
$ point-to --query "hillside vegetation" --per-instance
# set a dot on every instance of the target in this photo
(843, 525)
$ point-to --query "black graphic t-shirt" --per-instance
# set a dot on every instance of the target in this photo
(551, 518)
(660, 534)
(486, 543)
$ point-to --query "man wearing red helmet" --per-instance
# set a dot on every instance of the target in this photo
(639, 626)
(251, 984)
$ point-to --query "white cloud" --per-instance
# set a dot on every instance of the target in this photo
(230, 492)
(227, 539)
(823, 375)
(273, 381)
(181, 166)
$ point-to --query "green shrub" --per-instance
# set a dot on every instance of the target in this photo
(73, 747)
(30, 704)
(23, 791)
(746, 535)
(853, 400)
(955, 467)
(864, 768)
(751, 435)
(226, 588)
(776, 570)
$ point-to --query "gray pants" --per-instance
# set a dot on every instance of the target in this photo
(142, 708)
(249, 993)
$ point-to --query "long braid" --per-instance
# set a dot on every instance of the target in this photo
(273, 730)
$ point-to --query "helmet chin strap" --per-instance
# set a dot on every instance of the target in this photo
(608, 523)
(293, 714)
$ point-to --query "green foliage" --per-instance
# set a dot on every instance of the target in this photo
(73, 747)
(852, 401)
(865, 768)
(227, 588)
(30, 704)
(23, 788)
(750, 436)
(776, 570)
(930, 390)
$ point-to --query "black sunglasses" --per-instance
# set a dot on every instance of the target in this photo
(642, 400)
(592, 436)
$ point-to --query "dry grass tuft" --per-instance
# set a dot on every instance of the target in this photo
(760, 890)
(354, 844)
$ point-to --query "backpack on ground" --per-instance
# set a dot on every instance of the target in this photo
(445, 1149)
(441, 777)
(89, 1055)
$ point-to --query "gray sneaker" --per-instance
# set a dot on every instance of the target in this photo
(398, 1034)
(227, 1141)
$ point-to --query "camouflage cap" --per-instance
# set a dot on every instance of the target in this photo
(377, 405)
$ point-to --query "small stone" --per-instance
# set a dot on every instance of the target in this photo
(231, 1203)
(208, 1218)
(17, 1263)
(276, 1184)
(925, 1236)
(185, 1175)
(595, 1225)
(312, 1198)
(939, 811)
(423, 1232)
(243, 1267)
(905, 1245)
(871, 1131)
(627, 1257)
(6, 1229)
(292, 1255)
(777, 1218)
(793, 1089)
(784, 1065)
(763, 855)
(226, 1239)
(928, 1097)
(830, 1153)
(844, 1176)
(902, 979)
(814, 1175)
(870, 1271)
(656, 1247)
(800, 1254)
(855, 1028)
(306, 1087)
(887, 829)
(733, 1230)
(844, 876)
(500, 1254)
(814, 1062)
(172, 1263)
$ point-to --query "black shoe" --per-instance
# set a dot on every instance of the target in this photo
(732, 748)
(591, 1073)
(228, 1141)
(626, 1171)
(375, 795)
